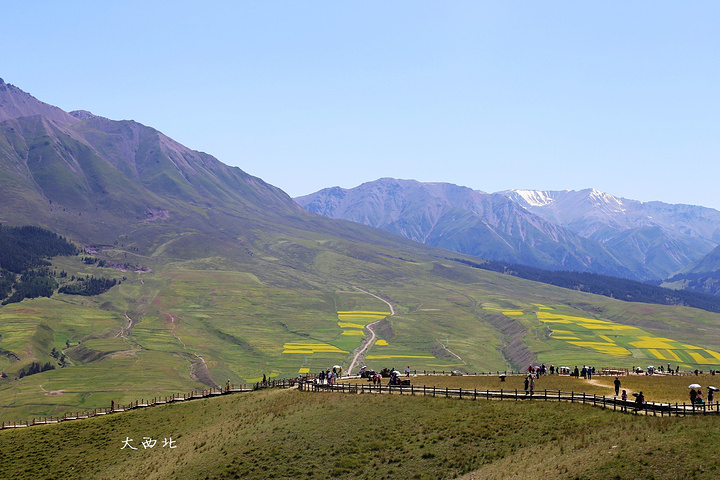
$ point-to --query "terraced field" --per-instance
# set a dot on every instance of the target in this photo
(605, 340)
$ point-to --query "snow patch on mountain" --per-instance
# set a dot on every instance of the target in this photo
(534, 198)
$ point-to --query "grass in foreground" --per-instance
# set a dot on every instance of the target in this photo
(291, 434)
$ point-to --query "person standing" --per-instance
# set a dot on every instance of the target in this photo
(639, 401)
(617, 386)
(407, 371)
(624, 399)
(527, 383)
(693, 396)
(711, 395)
(532, 385)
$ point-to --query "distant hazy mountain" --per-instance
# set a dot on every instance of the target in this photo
(653, 239)
(464, 220)
(702, 276)
(585, 230)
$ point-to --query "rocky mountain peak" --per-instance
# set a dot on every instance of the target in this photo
(82, 114)
(15, 103)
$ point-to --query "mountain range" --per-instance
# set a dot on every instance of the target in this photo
(584, 230)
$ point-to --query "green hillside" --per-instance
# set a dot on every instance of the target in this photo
(291, 434)
(185, 325)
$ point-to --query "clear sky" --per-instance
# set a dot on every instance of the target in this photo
(620, 96)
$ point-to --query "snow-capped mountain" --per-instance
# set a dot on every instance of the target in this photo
(653, 239)
(586, 230)
(464, 220)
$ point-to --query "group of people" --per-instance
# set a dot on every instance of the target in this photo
(652, 370)
(538, 370)
(376, 377)
(530, 384)
(696, 396)
(587, 372)
(328, 376)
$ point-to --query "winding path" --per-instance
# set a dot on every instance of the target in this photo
(371, 340)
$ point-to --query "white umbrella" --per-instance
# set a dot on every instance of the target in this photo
(694, 385)
(714, 389)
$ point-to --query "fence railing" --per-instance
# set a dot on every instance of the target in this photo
(179, 397)
(603, 401)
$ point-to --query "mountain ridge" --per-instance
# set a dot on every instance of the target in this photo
(627, 238)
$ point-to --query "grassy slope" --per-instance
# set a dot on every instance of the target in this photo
(290, 434)
(236, 319)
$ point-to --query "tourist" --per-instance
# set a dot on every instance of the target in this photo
(711, 394)
(527, 383)
(693, 396)
(617, 386)
(624, 399)
(639, 401)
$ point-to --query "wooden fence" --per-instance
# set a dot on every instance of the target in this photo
(180, 397)
(602, 401)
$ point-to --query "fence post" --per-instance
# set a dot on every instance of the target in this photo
(447, 392)
(501, 393)
(516, 397)
(475, 395)
(572, 396)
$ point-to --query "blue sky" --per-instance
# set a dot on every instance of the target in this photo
(619, 96)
